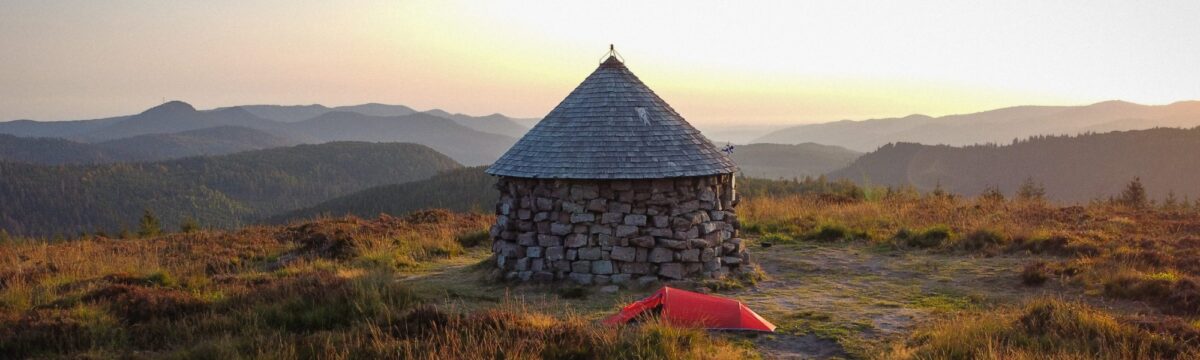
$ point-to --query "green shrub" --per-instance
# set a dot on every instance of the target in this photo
(573, 292)
(473, 239)
(161, 278)
(830, 232)
(135, 304)
(60, 331)
(1042, 329)
(1132, 285)
(1035, 274)
(982, 239)
(776, 238)
(323, 301)
(933, 236)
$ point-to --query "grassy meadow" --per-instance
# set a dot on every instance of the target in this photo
(894, 275)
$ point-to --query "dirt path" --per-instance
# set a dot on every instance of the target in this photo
(845, 300)
(834, 300)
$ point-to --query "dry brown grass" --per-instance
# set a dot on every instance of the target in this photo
(1103, 249)
(320, 289)
(1045, 329)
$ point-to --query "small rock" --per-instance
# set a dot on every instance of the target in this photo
(626, 230)
(602, 267)
(643, 241)
(611, 289)
(622, 253)
(597, 205)
(637, 220)
(581, 266)
(560, 229)
(690, 255)
(576, 240)
(590, 253)
(582, 218)
(661, 255)
(671, 270)
(581, 279)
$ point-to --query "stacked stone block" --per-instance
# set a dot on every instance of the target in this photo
(617, 231)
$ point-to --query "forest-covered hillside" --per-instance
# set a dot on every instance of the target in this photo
(218, 191)
(219, 140)
(1071, 168)
(463, 190)
(775, 161)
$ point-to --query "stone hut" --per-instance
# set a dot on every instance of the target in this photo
(614, 186)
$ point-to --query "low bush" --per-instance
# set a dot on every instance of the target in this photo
(323, 301)
(518, 333)
(1035, 274)
(55, 331)
(1138, 286)
(776, 238)
(982, 239)
(1042, 329)
(135, 304)
(930, 237)
(473, 239)
(1043, 244)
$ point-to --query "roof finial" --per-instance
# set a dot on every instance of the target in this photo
(612, 55)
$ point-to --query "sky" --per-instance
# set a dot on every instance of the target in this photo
(719, 63)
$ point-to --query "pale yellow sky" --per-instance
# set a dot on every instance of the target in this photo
(719, 63)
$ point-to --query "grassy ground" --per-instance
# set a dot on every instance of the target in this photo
(330, 289)
(920, 278)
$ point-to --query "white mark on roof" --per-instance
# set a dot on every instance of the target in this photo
(642, 114)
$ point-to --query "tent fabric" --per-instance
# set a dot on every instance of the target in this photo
(686, 308)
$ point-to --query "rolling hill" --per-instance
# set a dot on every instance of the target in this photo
(219, 140)
(465, 145)
(774, 161)
(173, 117)
(1072, 168)
(52, 151)
(152, 147)
(465, 189)
(495, 123)
(219, 191)
(999, 126)
(381, 123)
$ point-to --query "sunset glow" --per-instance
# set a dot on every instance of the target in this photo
(718, 63)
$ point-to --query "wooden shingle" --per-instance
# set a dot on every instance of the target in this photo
(612, 127)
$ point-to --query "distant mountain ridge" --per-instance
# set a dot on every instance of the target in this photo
(219, 140)
(470, 140)
(998, 126)
(775, 161)
(494, 123)
(221, 191)
(464, 189)
(1072, 168)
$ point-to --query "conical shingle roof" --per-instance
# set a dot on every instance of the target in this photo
(612, 127)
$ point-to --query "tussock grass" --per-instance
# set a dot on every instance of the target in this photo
(1042, 329)
(325, 289)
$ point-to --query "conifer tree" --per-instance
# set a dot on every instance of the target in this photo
(189, 225)
(150, 225)
(1031, 191)
(992, 193)
(938, 192)
(1170, 203)
(1134, 195)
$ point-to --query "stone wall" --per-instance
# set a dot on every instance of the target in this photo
(616, 231)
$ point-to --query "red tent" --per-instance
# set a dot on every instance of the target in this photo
(686, 308)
